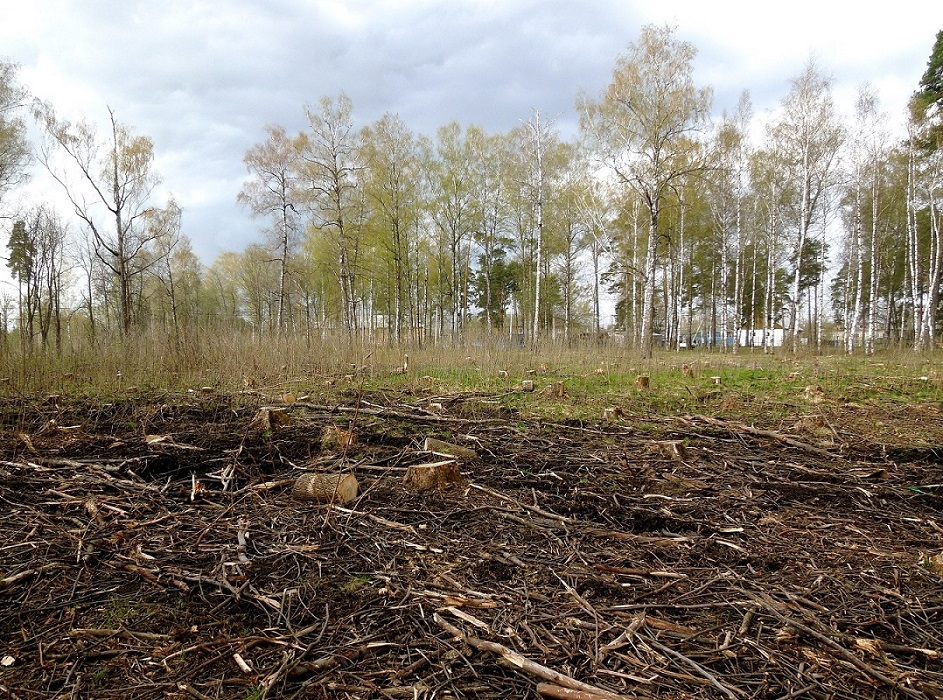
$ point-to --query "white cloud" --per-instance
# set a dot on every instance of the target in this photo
(203, 78)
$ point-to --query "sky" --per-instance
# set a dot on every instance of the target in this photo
(203, 79)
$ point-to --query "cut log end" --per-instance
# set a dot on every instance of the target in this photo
(433, 476)
(326, 488)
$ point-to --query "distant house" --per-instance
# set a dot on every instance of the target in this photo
(757, 337)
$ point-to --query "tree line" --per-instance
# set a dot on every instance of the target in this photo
(821, 229)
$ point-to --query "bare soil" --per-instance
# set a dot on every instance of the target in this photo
(151, 548)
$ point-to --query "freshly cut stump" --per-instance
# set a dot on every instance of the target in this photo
(326, 488)
(334, 437)
(432, 476)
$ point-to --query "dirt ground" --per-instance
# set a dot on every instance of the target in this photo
(153, 548)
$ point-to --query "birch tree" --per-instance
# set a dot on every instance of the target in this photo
(329, 171)
(273, 192)
(539, 144)
(14, 147)
(807, 138)
(450, 179)
(490, 156)
(109, 181)
(645, 128)
(868, 154)
(393, 187)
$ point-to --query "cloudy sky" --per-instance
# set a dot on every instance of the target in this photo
(202, 79)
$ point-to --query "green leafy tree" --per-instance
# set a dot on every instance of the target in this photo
(392, 184)
(36, 261)
(14, 148)
(807, 139)
(273, 192)
(645, 128)
(450, 179)
(329, 171)
(927, 102)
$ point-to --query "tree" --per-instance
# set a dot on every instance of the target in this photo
(14, 148)
(573, 234)
(925, 187)
(115, 174)
(726, 191)
(450, 181)
(927, 102)
(645, 128)
(490, 157)
(807, 138)
(164, 227)
(36, 261)
(868, 154)
(272, 191)
(329, 172)
(392, 185)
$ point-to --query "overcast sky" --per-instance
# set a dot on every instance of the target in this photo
(202, 79)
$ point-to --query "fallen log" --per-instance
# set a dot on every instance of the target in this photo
(448, 449)
(559, 692)
(326, 488)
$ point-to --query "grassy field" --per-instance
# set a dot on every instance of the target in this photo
(887, 394)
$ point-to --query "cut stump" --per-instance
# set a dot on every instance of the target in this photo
(337, 437)
(556, 390)
(432, 476)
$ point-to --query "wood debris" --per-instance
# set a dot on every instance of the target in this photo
(582, 561)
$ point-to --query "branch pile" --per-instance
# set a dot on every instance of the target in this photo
(569, 562)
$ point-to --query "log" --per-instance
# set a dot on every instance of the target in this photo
(326, 488)
(558, 692)
(433, 476)
(448, 449)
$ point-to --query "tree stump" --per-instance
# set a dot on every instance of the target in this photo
(269, 418)
(337, 437)
(432, 476)
(642, 382)
(326, 488)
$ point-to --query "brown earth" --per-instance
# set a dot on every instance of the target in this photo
(152, 549)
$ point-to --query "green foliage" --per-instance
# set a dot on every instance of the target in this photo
(22, 251)
(931, 83)
(14, 148)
